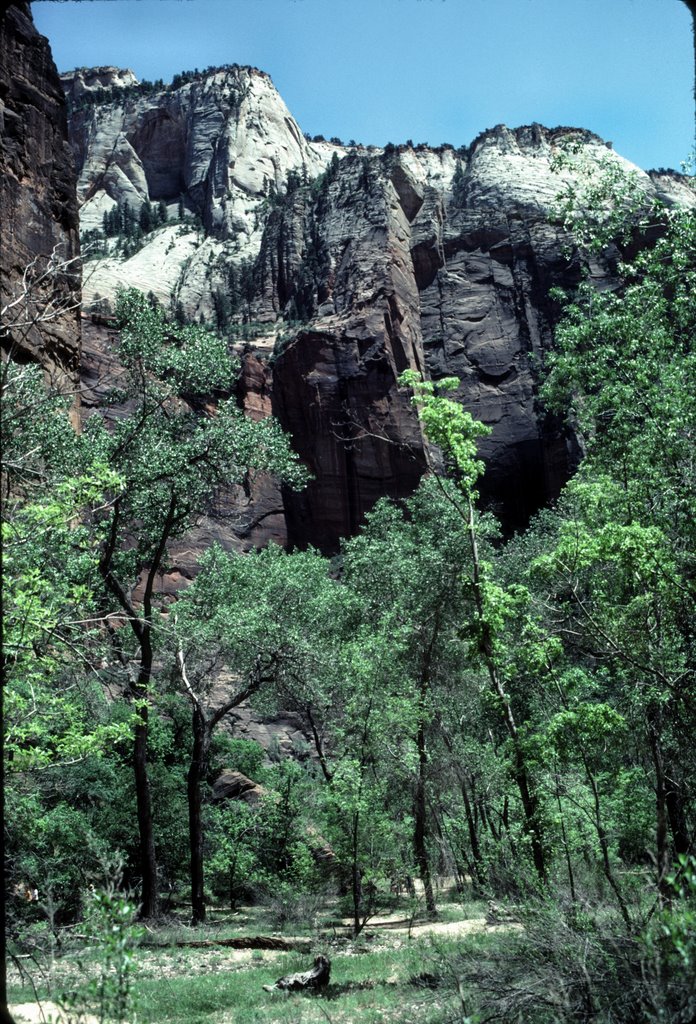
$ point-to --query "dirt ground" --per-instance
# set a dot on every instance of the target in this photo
(395, 925)
(41, 1013)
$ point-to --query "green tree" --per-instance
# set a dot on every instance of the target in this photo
(454, 430)
(359, 716)
(170, 459)
(146, 216)
(51, 630)
(458, 184)
(223, 310)
(49, 563)
(622, 565)
(328, 664)
(406, 566)
(261, 617)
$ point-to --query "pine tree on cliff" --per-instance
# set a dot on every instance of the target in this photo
(146, 216)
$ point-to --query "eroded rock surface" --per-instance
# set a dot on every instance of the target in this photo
(231, 785)
(217, 147)
(337, 268)
(38, 206)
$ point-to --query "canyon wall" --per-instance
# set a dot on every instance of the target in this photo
(333, 268)
(38, 205)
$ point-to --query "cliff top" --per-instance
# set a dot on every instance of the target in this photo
(109, 77)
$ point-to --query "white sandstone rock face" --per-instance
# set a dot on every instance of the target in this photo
(221, 144)
(156, 267)
(673, 190)
(83, 81)
(520, 164)
(441, 260)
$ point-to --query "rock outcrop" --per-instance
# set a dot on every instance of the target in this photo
(335, 268)
(231, 785)
(38, 206)
(406, 273)
(213, 149)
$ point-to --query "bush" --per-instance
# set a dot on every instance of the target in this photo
(109, 916)
(668, 961)
(229, 753)
(577, 963)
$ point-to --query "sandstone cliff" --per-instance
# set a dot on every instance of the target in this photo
(38, 207)
(216, 147)
(338, 267)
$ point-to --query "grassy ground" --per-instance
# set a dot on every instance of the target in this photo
(384, 976)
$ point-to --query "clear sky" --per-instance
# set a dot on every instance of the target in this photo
(428, 70)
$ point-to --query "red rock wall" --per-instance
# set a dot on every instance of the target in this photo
(38, 204)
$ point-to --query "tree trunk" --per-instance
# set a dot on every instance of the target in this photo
(661, 830)
(531, 812)
(196, 774)
(675, 800)
(356, 882)
(148, 859)
(564, 840)
(203, 726)
(142, 629)
(604, 845)
(520, 773)
(486, 817)
(419, 801)
(479, 869)
(419, 830)
(5, 1017)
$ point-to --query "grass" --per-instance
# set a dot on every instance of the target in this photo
(362, 988)
(191, 989)
(381, 977)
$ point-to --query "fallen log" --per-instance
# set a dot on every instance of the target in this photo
(317, 977)
(239, 942)
(501, 915)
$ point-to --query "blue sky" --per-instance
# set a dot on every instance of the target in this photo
(427, 70)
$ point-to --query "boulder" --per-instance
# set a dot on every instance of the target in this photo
(235, 786)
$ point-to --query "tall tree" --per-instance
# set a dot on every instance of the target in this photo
(626, 369)
(170, 458)
(249, 618)
(406, 567)
(450, 426)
